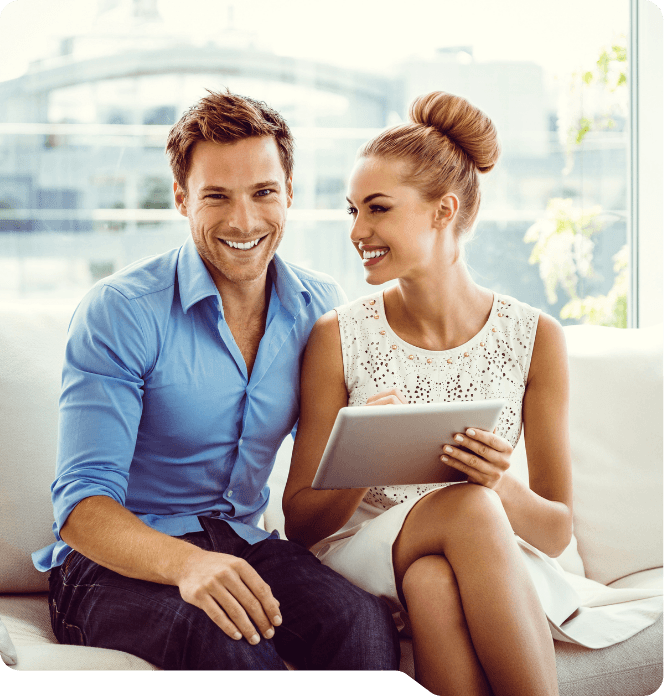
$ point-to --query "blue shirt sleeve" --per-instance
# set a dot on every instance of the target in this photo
(101, 401)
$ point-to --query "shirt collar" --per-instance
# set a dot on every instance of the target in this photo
(293, 296)
(194, 280)
(196, 284)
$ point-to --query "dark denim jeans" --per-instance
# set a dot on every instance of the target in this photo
(328, 623)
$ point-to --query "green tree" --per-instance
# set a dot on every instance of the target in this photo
(565, 238)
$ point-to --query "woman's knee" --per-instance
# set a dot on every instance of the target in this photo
(429, 576)
(430, 588)
(470, 503)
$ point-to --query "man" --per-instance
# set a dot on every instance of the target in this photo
(181, 380)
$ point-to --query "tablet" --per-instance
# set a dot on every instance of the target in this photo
(398, 445)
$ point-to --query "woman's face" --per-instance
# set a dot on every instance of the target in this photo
(395, 231)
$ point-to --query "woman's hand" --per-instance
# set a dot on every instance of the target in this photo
(487, 461)
(389, 397)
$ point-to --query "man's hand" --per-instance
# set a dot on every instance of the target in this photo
(231, 593)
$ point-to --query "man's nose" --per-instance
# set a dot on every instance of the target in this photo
(241, 216)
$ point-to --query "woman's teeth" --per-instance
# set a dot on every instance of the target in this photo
(373, 254)
(242, 245)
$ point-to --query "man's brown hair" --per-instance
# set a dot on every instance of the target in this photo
(224, 117)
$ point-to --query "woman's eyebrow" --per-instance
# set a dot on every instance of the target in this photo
(371, 196)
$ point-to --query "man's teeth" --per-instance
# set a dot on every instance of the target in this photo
(374, 254)
(242, 245)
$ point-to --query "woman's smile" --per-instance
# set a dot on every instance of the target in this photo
(372, 255)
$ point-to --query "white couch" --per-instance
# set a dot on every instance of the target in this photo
(616, 431)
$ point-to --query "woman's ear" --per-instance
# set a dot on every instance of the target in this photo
(447, 209)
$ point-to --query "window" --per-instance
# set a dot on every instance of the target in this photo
(85, 187)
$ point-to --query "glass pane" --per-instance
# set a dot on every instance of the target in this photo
(85, 106)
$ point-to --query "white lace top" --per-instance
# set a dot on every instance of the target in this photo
(493, 364)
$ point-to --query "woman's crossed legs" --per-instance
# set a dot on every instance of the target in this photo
(478, 625)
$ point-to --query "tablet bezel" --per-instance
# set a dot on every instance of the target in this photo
(398, 444)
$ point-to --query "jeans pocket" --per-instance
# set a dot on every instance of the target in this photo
(66, 633)
(64, 570)
(71, 634)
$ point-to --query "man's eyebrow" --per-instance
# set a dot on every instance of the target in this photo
(370, 197)
(267, 184)
(218, 189)
(222, 189)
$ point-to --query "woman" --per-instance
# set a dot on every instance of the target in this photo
(458, 558)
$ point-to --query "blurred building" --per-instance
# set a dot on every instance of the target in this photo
(84, 181)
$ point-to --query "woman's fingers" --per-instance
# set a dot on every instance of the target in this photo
(386, 398)
(473, 474)
(495, 442)
(470, 461)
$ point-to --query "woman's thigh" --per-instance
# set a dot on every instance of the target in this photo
(437, 518)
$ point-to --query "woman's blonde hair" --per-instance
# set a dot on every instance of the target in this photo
(447, 143)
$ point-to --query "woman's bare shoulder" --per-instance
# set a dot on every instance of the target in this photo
(550, 349)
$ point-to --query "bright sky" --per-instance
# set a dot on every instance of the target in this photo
(561, 35)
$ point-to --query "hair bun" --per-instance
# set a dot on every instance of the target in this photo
(464, 124)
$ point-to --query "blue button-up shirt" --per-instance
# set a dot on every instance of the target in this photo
(157, 410)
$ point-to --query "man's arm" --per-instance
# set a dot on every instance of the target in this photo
(106, 360)
(225, 587)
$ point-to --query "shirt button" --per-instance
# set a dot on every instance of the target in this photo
(230, 494)
(240, 441)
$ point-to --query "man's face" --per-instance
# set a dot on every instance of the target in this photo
(236, 202)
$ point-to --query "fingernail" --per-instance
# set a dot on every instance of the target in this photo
(470, 432)
(237, 636)
(276, 620)
(254, 639)
(458, 438)
(444, 458)
(269, 633)
(448, 449)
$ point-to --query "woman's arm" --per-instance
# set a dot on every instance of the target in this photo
(312, 515)
(542, 513)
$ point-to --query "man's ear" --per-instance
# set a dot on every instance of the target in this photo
(180, 199)
(289, 191)
(447, 209)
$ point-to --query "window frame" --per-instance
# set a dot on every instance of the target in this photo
(645, 163)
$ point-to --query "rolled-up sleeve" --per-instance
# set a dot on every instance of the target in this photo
(101, 401)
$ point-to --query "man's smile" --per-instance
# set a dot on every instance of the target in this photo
(243, 245)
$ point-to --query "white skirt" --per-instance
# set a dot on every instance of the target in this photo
(579, 610)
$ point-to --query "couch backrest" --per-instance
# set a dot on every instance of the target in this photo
(616, 433)
(32, 341)
(616, 438)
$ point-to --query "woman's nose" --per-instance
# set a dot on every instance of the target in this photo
(358, 230)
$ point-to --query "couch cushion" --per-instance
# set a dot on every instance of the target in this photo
(27, 620)
(644, 579)
(7, 649)
(32, 339)
(631, 668)
(616, 438)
